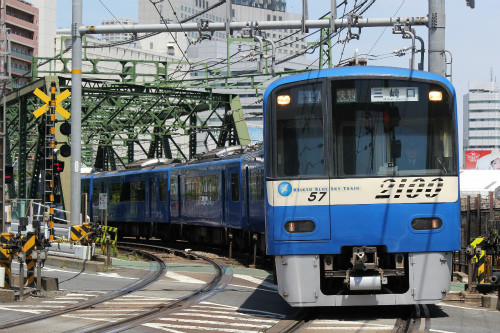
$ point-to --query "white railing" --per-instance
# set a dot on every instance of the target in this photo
(33, 210)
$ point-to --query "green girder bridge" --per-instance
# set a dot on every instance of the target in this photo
(121, 122)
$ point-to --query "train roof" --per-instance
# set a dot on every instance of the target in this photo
(219, 155)
(226, 155)
(359, 71)
(147, 165)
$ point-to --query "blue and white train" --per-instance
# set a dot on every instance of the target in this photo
(362, 188)
(215, 199)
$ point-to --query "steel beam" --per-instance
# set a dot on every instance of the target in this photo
(262, 25)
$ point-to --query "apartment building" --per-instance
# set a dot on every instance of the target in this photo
(20, 18)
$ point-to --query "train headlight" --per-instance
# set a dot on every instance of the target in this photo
(283, 99)
(300, 226)
(432, 223)
(435, 96)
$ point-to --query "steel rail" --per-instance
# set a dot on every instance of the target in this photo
(293, 323)
(219, 281)
(146, 280)
(413, 322)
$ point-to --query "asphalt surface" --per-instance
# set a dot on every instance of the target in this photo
(249, 303)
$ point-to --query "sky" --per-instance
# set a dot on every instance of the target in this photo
(471, 34)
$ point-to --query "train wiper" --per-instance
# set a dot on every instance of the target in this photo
(442, 165)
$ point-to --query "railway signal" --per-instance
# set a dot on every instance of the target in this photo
(58, 166)
(9, 174)
(65, 149)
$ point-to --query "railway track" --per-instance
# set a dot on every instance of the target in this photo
(219, 280)
(149, 278)
(417, 319)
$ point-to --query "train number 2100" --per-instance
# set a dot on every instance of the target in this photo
(410, 189)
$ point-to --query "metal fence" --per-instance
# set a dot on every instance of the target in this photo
(35, 210)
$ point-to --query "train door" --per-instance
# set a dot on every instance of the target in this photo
(152, 208)
(174, 193)
(96, 189)
(233, 202)
(246, 199)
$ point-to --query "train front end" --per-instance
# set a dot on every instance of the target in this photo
(362, 189)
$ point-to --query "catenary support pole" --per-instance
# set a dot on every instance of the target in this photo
(76, 111)
(437, 25)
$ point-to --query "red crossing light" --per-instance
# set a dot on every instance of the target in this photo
(58, 166)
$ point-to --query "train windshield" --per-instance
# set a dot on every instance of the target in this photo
(363, 128)
(392, 127)
(299, 132)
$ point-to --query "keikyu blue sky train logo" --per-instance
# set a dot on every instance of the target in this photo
(285, 188)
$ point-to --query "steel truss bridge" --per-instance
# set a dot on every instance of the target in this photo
(121, 122)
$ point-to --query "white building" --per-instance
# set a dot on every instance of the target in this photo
(47, 16)
(116, 38)
(482, 116)
(210, 56)
(474, 182)
(288, 41)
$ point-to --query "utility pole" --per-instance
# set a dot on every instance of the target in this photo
(437, 25)
(5, 79)
(76, 112)
(436, 58)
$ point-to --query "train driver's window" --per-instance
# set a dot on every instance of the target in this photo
(299, 132)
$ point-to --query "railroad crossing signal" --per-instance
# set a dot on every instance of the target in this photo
(58, 166)
(48, 102)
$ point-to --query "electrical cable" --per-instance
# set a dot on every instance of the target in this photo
(385, 28)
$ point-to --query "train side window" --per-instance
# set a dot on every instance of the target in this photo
(95, 193)
(235, 187)
(125, 192)
(137, 191)
(257, 185)
(202, 188)
(173, 189)
(209, 188)
(114, 192)
(191, 188)
(163, 190)
(86, 189)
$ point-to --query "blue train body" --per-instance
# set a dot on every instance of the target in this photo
(351, 216)
(348, 220)
(209, 200)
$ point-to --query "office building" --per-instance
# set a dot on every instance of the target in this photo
(481, 124)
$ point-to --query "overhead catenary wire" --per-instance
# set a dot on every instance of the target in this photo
(194, 66)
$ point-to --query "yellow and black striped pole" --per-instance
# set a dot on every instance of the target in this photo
(480, 260)
(28, 247)
(80, 232)
(50, 144)
(108, 238)
(6, 257)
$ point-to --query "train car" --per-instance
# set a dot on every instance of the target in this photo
(362, 188)
(213, 199)
(137, 197)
